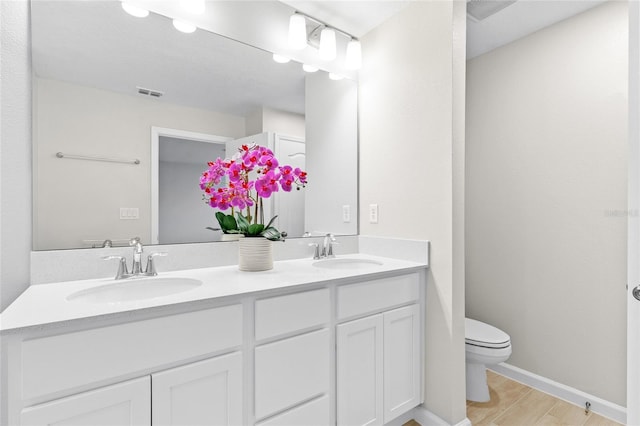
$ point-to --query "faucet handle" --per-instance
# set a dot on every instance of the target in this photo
(151, 266)
(330, 249)
(316, 253)
(122, 266)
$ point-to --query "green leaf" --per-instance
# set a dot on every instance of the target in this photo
(213, 229)
(229, 223)
(255, 229)
(271, 233)
(220, 216)
(271, 221)
(243, 224)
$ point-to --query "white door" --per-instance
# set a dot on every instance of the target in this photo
(360, 372)
(203, 393)
(127, 403)
(402, 370)
(290, 206)
(633, 252)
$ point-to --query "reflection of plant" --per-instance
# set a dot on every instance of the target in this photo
(242, 192)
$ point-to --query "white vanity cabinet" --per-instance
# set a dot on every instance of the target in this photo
(341, 352)
(378, 356)
(60, 379)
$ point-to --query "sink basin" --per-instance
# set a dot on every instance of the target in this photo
(134, 289)
(346, 263)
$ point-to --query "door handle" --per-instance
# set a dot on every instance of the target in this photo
(636, 292)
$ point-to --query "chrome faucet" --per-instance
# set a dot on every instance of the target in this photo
(327, 246)
(136, 267)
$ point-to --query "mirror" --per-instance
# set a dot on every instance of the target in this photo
(105, 83)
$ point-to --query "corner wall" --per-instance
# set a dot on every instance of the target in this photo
(15, 150)
(411, 106)
(547, 197)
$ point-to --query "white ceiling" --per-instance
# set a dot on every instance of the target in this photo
(75, 41)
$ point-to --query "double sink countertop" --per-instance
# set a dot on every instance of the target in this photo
(46, 304)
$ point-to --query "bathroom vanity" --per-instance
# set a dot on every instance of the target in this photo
(313, 344)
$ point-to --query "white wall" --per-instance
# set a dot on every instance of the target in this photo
(276, 121)
(412, 165)
(332, 126)
(15, 150)
(546, 199)
(77, 200)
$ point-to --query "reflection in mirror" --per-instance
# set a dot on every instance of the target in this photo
(104, 80)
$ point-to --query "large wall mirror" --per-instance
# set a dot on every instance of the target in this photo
(127, 112)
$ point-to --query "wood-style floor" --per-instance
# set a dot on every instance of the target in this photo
(515, 404)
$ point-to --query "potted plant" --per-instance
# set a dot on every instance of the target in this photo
(240, 184)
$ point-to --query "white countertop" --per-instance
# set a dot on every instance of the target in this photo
(47, 303)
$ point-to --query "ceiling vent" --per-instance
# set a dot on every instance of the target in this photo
(149, 92)
(482, 9)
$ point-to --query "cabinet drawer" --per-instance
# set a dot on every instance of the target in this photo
(377, 295)
(285, 314)
(313, 413)
(291, 371)
(57, 363)
(127, 403)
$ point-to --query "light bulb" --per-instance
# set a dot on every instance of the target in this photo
(136, 11)
(194, 6)
(328, 44)
(336, 77)
(280, 59)
(309, 68)
(297, 32)
(184, 27)
(353, 60)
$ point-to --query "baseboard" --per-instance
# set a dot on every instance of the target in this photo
(574, 396)
(427, 418)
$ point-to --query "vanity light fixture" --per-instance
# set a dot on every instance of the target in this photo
(280, 59)
(353, 59)
(297, 31)
(184, 27)
(194, 6)
(327, 44)
(309, 68)
(323, 37)
(136, 11)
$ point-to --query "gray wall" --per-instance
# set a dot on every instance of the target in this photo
(546, 199)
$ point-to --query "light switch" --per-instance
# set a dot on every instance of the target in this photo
(128, 213)
(346, 213)
(373, 213)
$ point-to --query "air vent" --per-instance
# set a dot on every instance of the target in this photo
(149, 92)
(482, 9)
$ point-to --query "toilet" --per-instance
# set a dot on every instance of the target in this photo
(484, 345)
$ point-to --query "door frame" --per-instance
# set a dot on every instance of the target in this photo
(633, 227)
(156, 134)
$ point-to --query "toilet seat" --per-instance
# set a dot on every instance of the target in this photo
(484, 335)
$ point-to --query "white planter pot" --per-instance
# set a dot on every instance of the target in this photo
(255, 254)
(231, 237)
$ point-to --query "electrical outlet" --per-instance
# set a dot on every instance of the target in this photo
(373, 213)
(346, 213)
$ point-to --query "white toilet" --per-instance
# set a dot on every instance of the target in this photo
(484, 344)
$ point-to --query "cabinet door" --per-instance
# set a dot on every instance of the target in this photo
(203, 393)
(402, 371)
(359, 372)
(127, 403)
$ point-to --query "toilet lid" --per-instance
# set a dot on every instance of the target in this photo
(480, 334)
